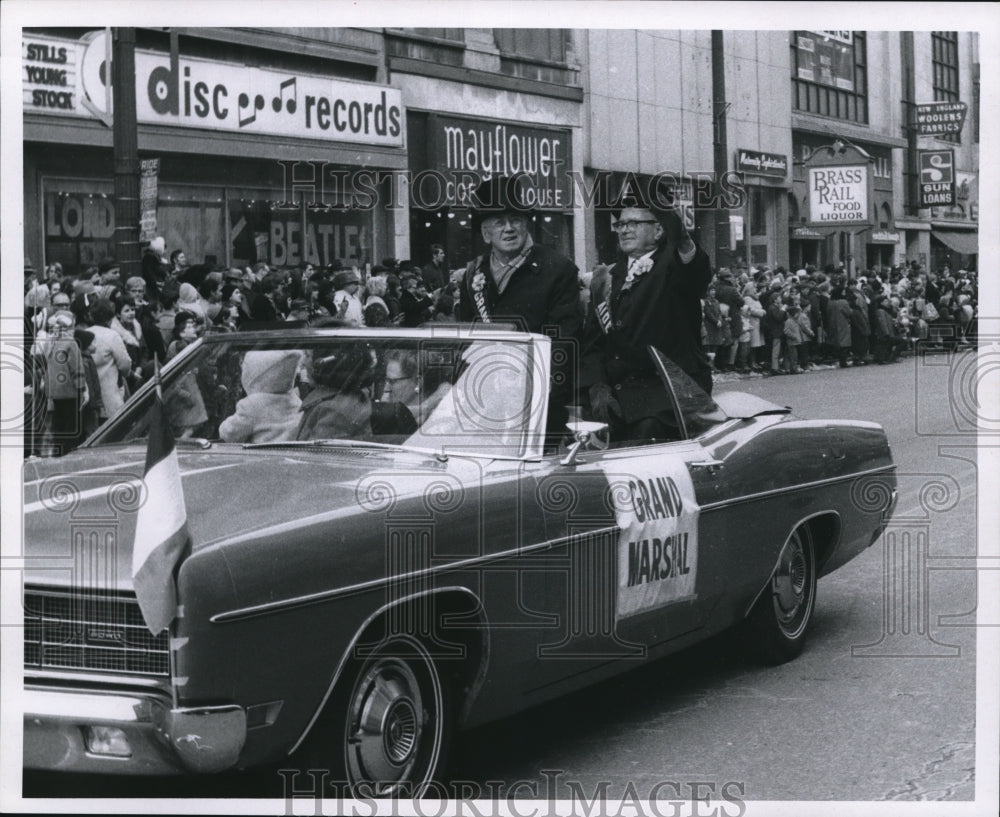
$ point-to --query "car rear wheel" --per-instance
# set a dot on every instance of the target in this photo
(389, 726)
(778, 623)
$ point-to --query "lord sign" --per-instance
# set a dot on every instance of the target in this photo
(838, 194)
(937, 177)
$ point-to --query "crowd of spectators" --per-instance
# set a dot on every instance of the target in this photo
(93, 338)
(775, 322)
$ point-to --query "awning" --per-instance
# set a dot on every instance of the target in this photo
(962, 243)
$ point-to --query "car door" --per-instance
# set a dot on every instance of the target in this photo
(625, 570)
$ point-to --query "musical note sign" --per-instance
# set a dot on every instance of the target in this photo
(291, 104)
(244, 104)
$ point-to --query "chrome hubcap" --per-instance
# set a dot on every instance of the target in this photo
(399, 735)
(385, 724)
(791, 586)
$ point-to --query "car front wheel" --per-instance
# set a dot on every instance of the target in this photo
(388, 727)
(778, 622)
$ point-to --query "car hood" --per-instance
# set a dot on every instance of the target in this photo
(91, 497)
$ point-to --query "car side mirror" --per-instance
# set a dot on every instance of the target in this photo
(586, 435)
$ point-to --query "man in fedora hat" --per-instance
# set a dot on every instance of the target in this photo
(346, 284)
(516, 280)
(650, 297)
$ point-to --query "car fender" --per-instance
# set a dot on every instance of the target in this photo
(478, 676)
(822, 549)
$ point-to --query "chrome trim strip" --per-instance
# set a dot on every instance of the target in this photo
(714, 506)
(97, 679)
(364, 626)
(315, 598)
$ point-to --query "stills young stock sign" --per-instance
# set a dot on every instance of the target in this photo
(199, 93)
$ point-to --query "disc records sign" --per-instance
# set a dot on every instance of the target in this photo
(937, 177)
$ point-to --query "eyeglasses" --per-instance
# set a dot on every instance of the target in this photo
(622, 226)
(394, 380)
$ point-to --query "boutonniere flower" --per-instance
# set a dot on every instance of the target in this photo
(637, 270)
(479, 282)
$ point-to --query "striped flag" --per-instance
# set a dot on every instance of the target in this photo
(161, 533)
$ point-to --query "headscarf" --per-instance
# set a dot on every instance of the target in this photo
(189, 302)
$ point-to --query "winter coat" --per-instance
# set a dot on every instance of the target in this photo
(64, 375)
(792, 331)
(752, 316)
(712, 318)
(331, 414)
(270, 410)
(113, 364)
(774, 321)
(542, 292)
(837, 321)
(805, 324)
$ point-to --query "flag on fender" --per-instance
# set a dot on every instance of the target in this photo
(161, 532)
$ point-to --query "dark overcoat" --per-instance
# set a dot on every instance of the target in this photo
(662, 309)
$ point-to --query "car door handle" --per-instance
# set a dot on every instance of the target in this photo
(711, 465)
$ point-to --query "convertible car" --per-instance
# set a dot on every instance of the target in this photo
(390, 538)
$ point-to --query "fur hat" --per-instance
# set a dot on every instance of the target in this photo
(158, 245)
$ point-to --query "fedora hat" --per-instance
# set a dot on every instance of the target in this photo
(345, 277)
(498, 195)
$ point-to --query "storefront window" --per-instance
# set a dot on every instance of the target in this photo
(270, 230)
(79, 222)
(192, 218)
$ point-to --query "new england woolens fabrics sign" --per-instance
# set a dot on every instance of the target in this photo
(65, 77)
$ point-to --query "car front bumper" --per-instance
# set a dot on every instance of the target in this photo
(152, 738)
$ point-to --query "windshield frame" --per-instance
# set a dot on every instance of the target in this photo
(535, 347)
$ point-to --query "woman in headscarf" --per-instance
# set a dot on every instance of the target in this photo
(188, 301)
(110, 357)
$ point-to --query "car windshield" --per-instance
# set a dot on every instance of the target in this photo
(444, 392)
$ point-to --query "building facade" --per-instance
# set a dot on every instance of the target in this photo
(253, 131)
(315, 145)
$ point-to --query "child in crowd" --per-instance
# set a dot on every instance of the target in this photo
(793, 337)
(270, 410)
